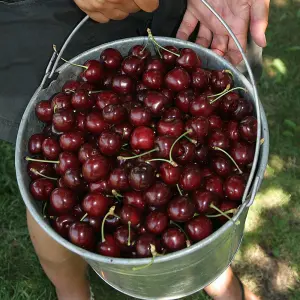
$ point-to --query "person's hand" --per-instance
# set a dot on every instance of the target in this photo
(237, 14)
(104, 10)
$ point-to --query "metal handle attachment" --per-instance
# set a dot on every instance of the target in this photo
(251, 179)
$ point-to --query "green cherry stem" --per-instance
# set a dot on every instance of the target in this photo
(179, 190)
(224, 93)
(173, 163)
(153, 253)
(84, 216)
(36, 172)
(44, 209)
(229, 72)
(75, 65)
(116, 194)
(129, 231)
(180, 137)
(94, 92)
(230, 157)
(191, 140)
(188, 242)
(224, 214)
(111, 212)
(41, 160)
(221, 93)
(151, 37)
(136, 156)
(231, 211)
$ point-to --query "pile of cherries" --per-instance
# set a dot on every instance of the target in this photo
(143, 155)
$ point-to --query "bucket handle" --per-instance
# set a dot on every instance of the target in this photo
(52, 65)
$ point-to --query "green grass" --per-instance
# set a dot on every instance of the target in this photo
(269, 259)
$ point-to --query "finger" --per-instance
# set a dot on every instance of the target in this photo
(187, 26)
(204, 36)
(147, 5)
(219, 44)
(97, 16)
(233, 52)
(114, 14)
(126, 6)
(259, 21)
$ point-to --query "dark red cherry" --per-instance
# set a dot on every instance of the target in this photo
(35, 143)
(80, 122)
(82, 100)
(214, 184)
(225, 206)
(184, 99)
(94, 73)
(191, 178)
(62, 200)
(64, 120)
(110, 143)
(172, 113)
(177, 79)
(222, 166)
(202, 107)
(134, 198)
(168, 57)
(95, 168)
(153, 79)
(82, 235)
(219, 139)
(133, 66)
(244, 108)
(95, 123)
(123, 84)
(248, 129)
(141, 177)
(199, 228)
(170, 127)
(143, 245)
(124, 130)
(109, 247)
(181, 209)
(72, 179)
(50, 148)
(61, 101)
(199, 79)
(70, 86)
(169, 95)
(142, 138)
(215, 122)
(77, 212)
(201, 154)
(203, 200)
(199, 127)
(234, 187)
(140, 116)
(95, 204)
(108, 79)
(111, 58)
(140, 51)
(228, 104)
(118, 179)
(34, 169)
(232, 130)
(158, 194)
(163, 146)
(105, 98)
(220, 79)
(114, 114)
(71, 141)
(242, 153)
(169, 174)
(207, 172)
(188, 154)
(101, 186)
(157, 222)
(156, 64)
(87, 151)
(188, 59)
(48, 132)
(156, 102)
(43, 111)
(41, 189)
(130, 214)
(67, 160)
(121, 237)
(62, 224)
(173, 239)
(87, 86)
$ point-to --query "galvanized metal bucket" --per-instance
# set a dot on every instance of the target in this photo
(174, 275)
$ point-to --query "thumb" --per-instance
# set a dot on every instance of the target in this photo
(259, 21)
(148, 5)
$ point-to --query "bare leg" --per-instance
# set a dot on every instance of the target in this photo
(227, 287)
(66, 270)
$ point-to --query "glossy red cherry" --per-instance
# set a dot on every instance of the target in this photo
(140, 116)
(143, 245)
(64, 121)
(188, 154)
(188, 59)
(244, 108)
(101, 186)
(105, 98)
(169, 174)
(248, 129)
(82, 235)
(133, 66)
(41, 189)
(61, 101)
(109, 247)
(220, 80)
(156, 64)
(183, 100)
(157, 222)
(168, 57)
(199, 79)
(95, 168)
(43, 111)
(71, 141)
(62, 200)
(191, 178)
(34, 169)
(215, 122)
(118, 179)
(121, 237)
(203, 200)
(170, 127)
(114, 114)
(207, 172)
(72, 179)
(95, 123)
(95, 204)
(201, 154)
(219, 139)
(134, 198)
(141, 177)
(214, 184)
(172, 113)
(80, 122)
(70, 86)
(67, 160)
(242, 153)
(202, 107)
(181, 209)
(199, 127)
(130, 214)
(234, 187)
(35, 143)
(232, 130)
(94, 72)
(228, 104)
(140, 51)
(62, 224)
(122, 84)
(124, 130)
(173, 239)
(142, 138)
(153, 79)
(87, 151)
(108, 79)
(156, 102)
(82, 100)
(111, 58)
(199, 228)
(158, 194)
(110, 143)
(50, 148)
(222, 166)
(225, 207)
(87, 86)
(177, 79)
